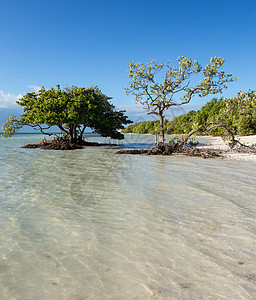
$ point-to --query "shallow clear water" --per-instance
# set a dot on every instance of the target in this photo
(90, 224)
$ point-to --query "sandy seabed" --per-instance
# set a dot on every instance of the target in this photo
(218, 143)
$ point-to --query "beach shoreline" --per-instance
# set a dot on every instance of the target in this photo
(218, 143)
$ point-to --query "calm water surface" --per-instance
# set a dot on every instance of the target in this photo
(90, 224)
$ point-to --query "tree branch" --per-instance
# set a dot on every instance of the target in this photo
(41, 129)
(63, 129)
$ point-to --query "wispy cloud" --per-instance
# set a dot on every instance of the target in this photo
(36, 88)
(133, 108)
(8, 100)
(137, 113)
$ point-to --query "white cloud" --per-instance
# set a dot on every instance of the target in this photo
(8, 100)
(36, 88)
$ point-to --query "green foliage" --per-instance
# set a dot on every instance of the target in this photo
(72, 109)
(11, 126)
(192, 142)
(176, 139)
(241, 117)
(181, 139)
(147, 91)
(183, 123)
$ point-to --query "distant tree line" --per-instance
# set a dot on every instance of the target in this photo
(242, 120)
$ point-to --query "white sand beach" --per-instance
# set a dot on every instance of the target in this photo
(218, 143)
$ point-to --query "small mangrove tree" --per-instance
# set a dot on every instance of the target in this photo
(160, 86)
(72, 110)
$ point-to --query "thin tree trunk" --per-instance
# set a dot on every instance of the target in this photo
(71, 133)
(75, 133)
(161, 128)
(81, 133)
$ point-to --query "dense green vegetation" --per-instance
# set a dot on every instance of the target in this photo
(241, 120)
(72, 109)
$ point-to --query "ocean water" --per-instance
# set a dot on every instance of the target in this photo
(91, 224)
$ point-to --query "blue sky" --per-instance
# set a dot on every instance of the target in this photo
(44, 43)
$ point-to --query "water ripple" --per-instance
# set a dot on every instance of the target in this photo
(92, 224)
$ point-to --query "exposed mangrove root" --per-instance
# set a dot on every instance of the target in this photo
(64, 144)
(175, 149)
(242, 148)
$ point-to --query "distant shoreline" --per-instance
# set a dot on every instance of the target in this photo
(195, 136)
(19, 133)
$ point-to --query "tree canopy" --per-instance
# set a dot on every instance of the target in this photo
(175, 87)
(72, 110)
